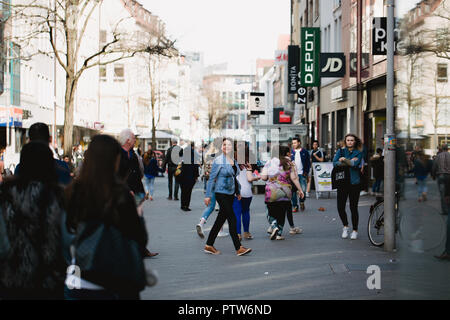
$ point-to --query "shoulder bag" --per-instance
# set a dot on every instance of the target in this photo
(340, 176)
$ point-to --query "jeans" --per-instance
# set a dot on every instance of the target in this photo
(351, 192)
(149, 185)
(138, 198)
(277, 214)
(242, 211)
(210, 208)
(442, 180)
(303, 182)
(170, 176)
(377, 184)
(225, 213)
(421, 186)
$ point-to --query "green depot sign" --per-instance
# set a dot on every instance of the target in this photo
(310, 57)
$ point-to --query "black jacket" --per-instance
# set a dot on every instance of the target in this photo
(34, 267)
(168, 161)
(190, 166)
(130, 171)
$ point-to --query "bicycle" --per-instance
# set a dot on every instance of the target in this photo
(422, 231)
(375, 225)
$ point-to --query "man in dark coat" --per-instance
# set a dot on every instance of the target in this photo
(173, 157)
(190, 174)
(130, 171)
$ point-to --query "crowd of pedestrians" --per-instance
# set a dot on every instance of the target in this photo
(86, 210)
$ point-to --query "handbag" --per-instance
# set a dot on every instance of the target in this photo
(101, 249)
(340, 176)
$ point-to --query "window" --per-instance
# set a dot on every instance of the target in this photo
(442, 72)
(119, 72)
(102, 73)
(443, 112)
(14, 70)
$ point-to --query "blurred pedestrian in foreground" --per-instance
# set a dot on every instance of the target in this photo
(32, 205)
(446, 254)
(39, 132)
(99, 202)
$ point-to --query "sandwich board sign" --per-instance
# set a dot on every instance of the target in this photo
(322, 176)
(256, 103)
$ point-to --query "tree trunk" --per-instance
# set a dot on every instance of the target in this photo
(69, 102)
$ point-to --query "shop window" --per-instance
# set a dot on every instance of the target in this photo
(102, 73)
(442, 72)
(119, 72)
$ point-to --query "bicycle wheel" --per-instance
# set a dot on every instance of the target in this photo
(375, 227)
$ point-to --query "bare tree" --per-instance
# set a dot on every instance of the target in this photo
(216, 110)
(65, 24)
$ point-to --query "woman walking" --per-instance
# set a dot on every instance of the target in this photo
(422, 168)
(223, 181)
(280, 173)
(151, 170)
(349, 156)
(241, 207)
(98, 200)
(32, 205)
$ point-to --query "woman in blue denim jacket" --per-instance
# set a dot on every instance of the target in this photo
(349, 156)
(222, 180)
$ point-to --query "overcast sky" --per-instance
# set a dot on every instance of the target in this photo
(233, 31)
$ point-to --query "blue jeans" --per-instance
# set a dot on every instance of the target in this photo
(207, 212)
(303, 182)
(377, 184)
(421, 186)
(242, 212)
(138, 198)
(149, 185)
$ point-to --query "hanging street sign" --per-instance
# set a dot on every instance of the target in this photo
(256, 104)
(310, 57)
(332, 65)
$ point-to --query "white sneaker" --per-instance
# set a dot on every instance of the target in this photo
(200, 231)
(279, 238)
(274, 234)
(295, 230)
(307, 194)
(345, 233)
(223, 234)
(354, 235)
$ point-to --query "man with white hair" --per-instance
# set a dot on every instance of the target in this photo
(130, 171)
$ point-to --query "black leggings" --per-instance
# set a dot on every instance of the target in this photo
(226, 212)
(351, 192)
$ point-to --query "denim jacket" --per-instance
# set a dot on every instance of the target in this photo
(354, 168)
(222, 178)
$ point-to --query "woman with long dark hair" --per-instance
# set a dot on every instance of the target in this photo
(99, 197)
(280, 173)
(223, 182)
(349, 156)
(32, 205)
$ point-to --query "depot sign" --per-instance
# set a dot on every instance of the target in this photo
(310, 57)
